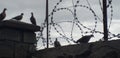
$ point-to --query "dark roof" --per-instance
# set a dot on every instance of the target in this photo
(19, 25)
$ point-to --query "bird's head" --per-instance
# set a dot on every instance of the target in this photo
(56, 39)
(92, 35)
(31, 13)
(5, 9)
(22, 13)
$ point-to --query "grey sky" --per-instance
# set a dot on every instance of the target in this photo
(15, 7)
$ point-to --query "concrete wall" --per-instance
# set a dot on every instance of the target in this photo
(16, 43)
(16, 35)
(17, 39)
(63, 51)
(109, 49)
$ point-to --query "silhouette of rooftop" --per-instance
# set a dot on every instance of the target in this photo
(19, 25)
(82, 50)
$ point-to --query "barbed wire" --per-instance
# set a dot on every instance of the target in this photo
(93, 14)
(109, 3)
(111, 9)
(74, 22)
(100, 3)
(74, 15)
(60, 9)
(67, 39)
(49, 31)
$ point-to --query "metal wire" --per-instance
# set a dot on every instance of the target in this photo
(74, 22)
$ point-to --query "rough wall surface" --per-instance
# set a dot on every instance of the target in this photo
(17, 39)
(110, 49)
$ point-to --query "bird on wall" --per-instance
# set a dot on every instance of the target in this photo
(84, 39)
(19, 17)
(32, 19)
(57, 43)
(3, 14)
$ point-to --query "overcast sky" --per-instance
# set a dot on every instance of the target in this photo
(15, 7)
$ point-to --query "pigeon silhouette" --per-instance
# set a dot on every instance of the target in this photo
(3, 14)
(84, 39)
(57, 43)
(32, 19)
(19, 17)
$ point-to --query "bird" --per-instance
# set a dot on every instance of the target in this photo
(3, 14)
(57, 43)
(32, 19)
(84, 39)
(19, 17)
